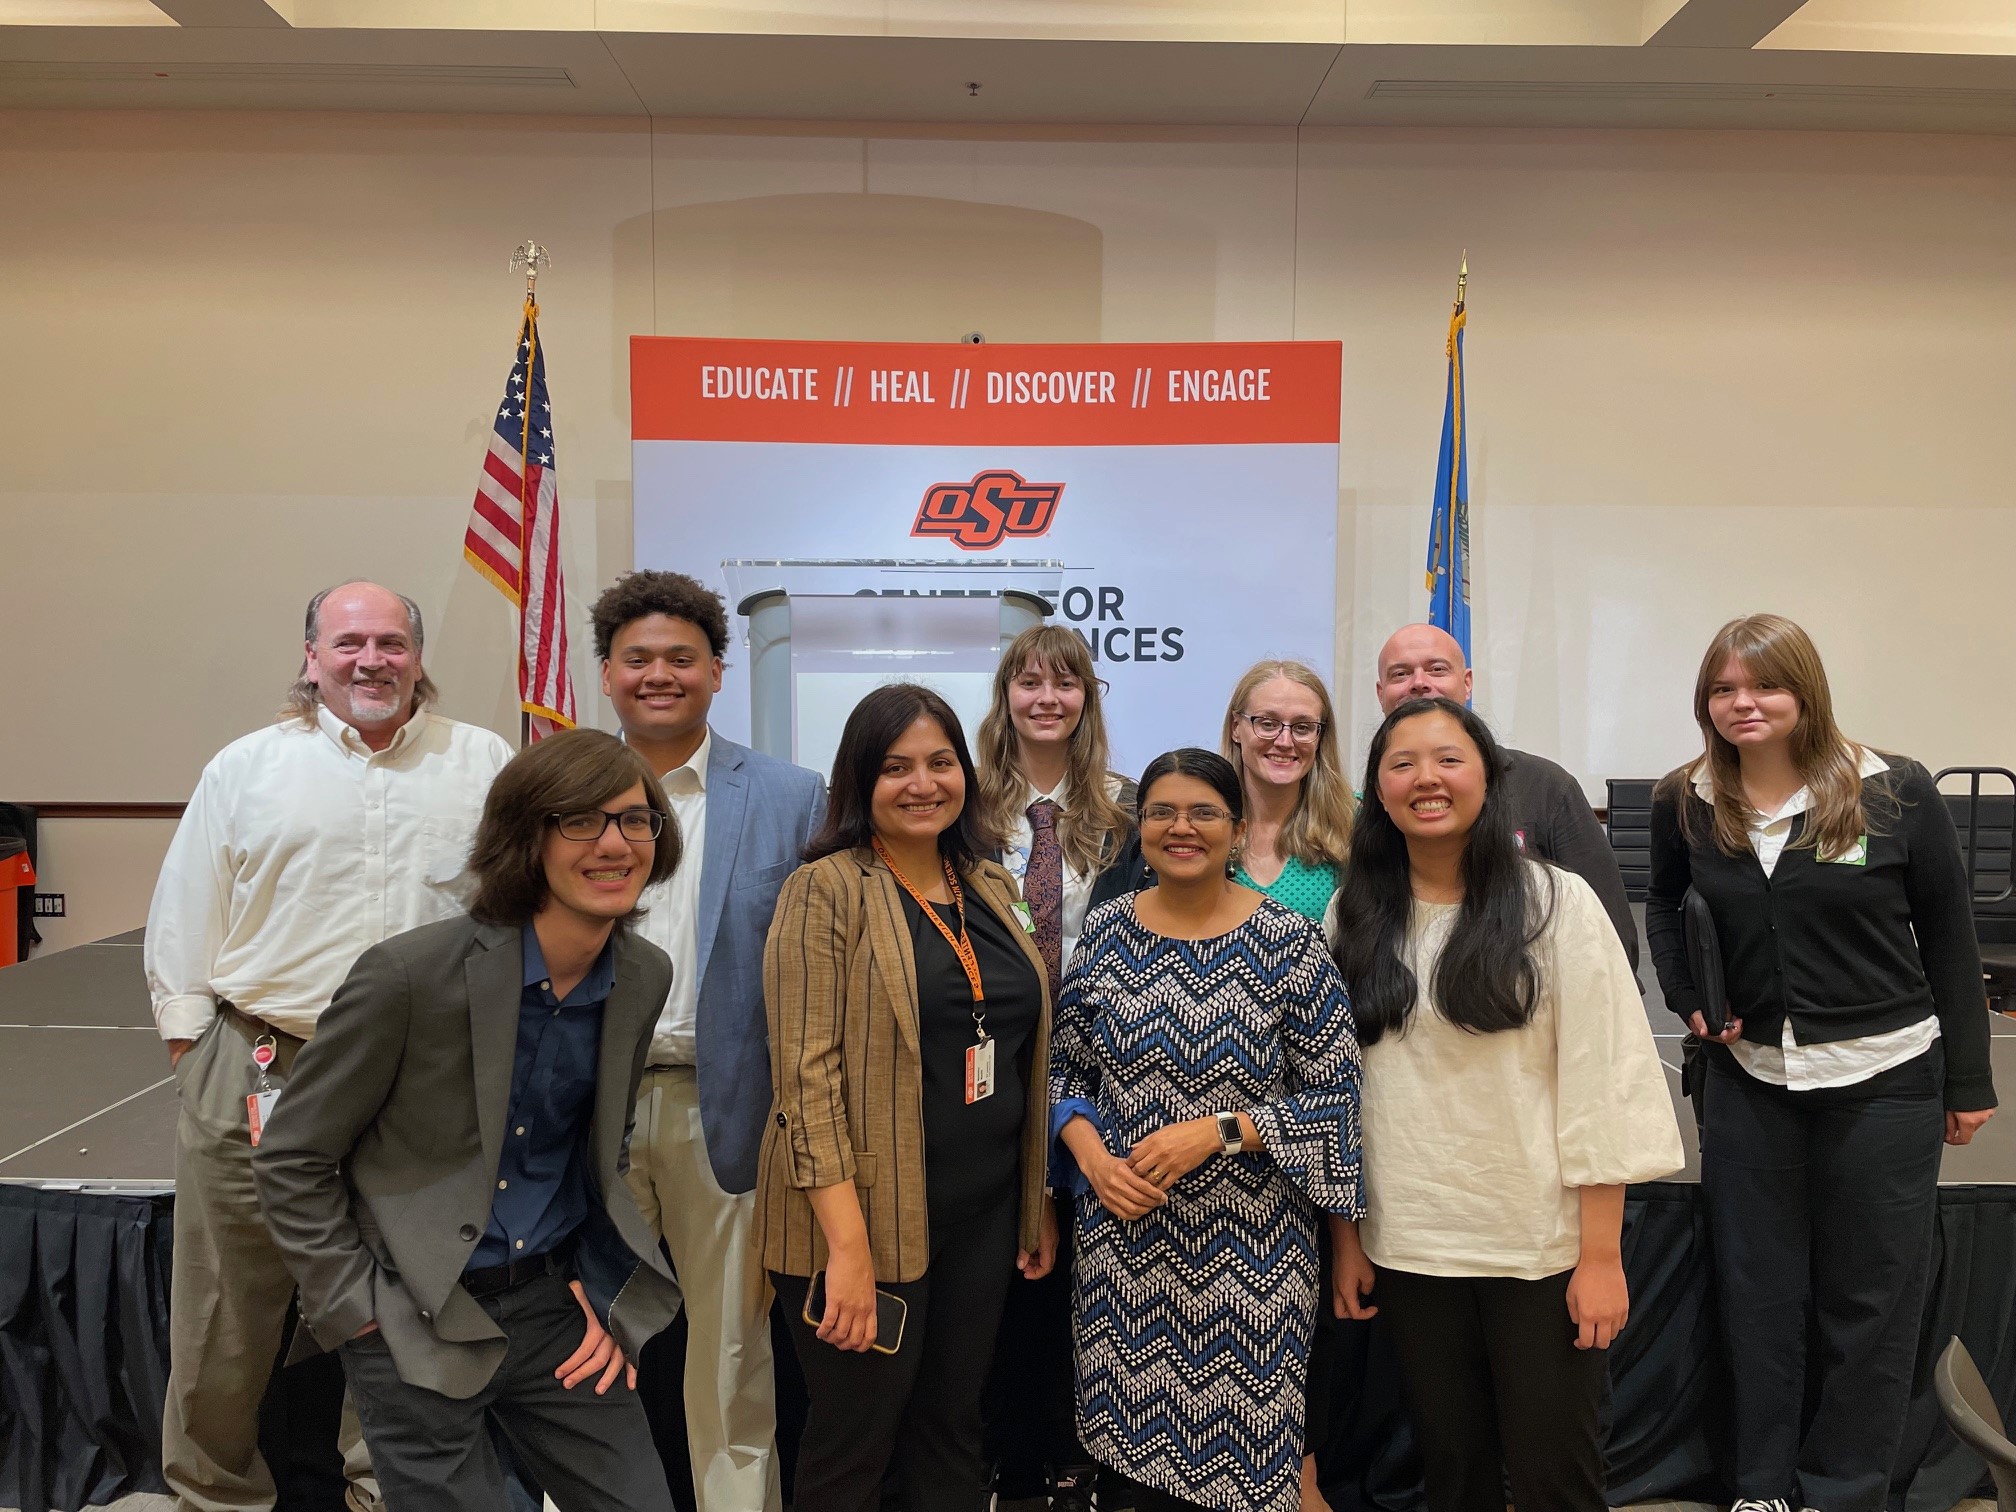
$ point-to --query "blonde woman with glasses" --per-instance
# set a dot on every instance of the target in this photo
(1281, 733)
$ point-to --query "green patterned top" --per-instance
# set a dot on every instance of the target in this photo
(1302, 887)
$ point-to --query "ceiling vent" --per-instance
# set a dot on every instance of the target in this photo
(1615, 92)
(412, 74)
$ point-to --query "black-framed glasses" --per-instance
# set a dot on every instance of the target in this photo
(1200, 814)
(1267, 727)
(590, 824)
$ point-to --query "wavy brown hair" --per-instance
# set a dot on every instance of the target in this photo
(1773, 649)
(1091, 827)
(1318, 833)
(563, 774)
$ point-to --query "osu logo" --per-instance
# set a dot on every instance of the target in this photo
(997, 503)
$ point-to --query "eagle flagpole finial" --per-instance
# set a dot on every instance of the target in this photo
(531, 257)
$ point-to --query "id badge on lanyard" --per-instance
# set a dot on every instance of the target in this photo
(260, 1100)
(980, 1054)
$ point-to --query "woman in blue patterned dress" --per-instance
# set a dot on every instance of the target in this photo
(1204, 1082)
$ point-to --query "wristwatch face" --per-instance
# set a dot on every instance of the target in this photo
(1229, 1134)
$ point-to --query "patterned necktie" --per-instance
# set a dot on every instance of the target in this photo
(1043, 888)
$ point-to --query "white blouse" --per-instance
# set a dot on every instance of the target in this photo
(1474, 1144)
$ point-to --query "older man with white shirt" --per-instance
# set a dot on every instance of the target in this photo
(347, 821)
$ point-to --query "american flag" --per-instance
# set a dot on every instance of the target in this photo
(514, 535)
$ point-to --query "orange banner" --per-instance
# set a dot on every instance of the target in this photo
(917, 394)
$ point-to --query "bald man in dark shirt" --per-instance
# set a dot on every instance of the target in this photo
(1549, 810)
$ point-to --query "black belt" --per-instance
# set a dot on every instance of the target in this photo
(489, 1280)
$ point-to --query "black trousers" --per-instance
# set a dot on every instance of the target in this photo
(1822, 1202)
(913, 1417)
(1496, 1387)
(434, 1453)
(1031, 1403)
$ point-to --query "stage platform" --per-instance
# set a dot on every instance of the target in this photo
(90, 1100)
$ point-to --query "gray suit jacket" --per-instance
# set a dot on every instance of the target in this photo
(377, 1168)
(760, 813)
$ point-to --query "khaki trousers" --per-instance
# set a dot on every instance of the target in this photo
(731, 1391)
(229, 1290)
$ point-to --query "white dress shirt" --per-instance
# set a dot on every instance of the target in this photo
(672, 912)
(300, 848)
(1808, 1068)
(1077, 884)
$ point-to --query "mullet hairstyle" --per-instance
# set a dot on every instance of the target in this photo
(1090, 825)
(305, 697)
(565, 773)
(1770, 648)
(1487, 978)
(1318, 833)
(876, 724)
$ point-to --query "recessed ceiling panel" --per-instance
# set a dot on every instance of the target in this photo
(1665, 88)
(279, 68)
(980, 82)
(82, 13)
(1900, 26)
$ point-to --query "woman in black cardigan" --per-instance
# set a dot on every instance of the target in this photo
(1857, 1040)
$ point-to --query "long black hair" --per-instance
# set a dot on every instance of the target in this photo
(876, 724)
(1487, 978)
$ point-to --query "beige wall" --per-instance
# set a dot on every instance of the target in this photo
(250, 354)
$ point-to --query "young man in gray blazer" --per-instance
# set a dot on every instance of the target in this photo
(746, 818)
(444, 1170)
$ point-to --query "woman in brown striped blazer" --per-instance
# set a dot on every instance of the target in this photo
(909, 1051)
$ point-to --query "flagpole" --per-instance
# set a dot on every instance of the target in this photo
(531, 257)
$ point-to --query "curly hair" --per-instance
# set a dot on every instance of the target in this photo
(637, 594)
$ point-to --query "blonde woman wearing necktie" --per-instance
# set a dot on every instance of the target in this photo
(1069, 843)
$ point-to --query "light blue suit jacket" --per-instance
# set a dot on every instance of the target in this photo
(760, 813)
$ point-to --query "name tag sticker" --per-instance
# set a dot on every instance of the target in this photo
(258, 1109)
(1028, 919)
(1856, 854)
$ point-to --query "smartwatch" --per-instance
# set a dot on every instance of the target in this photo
(1231, 1139)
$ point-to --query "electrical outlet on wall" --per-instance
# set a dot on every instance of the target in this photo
(48, 905)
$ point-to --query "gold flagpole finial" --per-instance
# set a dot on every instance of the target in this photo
(1463, 279)
(531, 257)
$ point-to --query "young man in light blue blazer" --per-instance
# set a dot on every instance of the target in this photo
(745, 818)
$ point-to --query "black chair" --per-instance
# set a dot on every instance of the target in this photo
(1986, 822)
(1975, 1420)
(1630, 829)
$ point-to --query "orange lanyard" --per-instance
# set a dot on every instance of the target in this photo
(962, 946)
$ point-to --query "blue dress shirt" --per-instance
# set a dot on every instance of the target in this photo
(542, 1176)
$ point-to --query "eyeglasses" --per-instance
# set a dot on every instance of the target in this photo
(1197, 813)
(591, 824)
(1267, 727)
